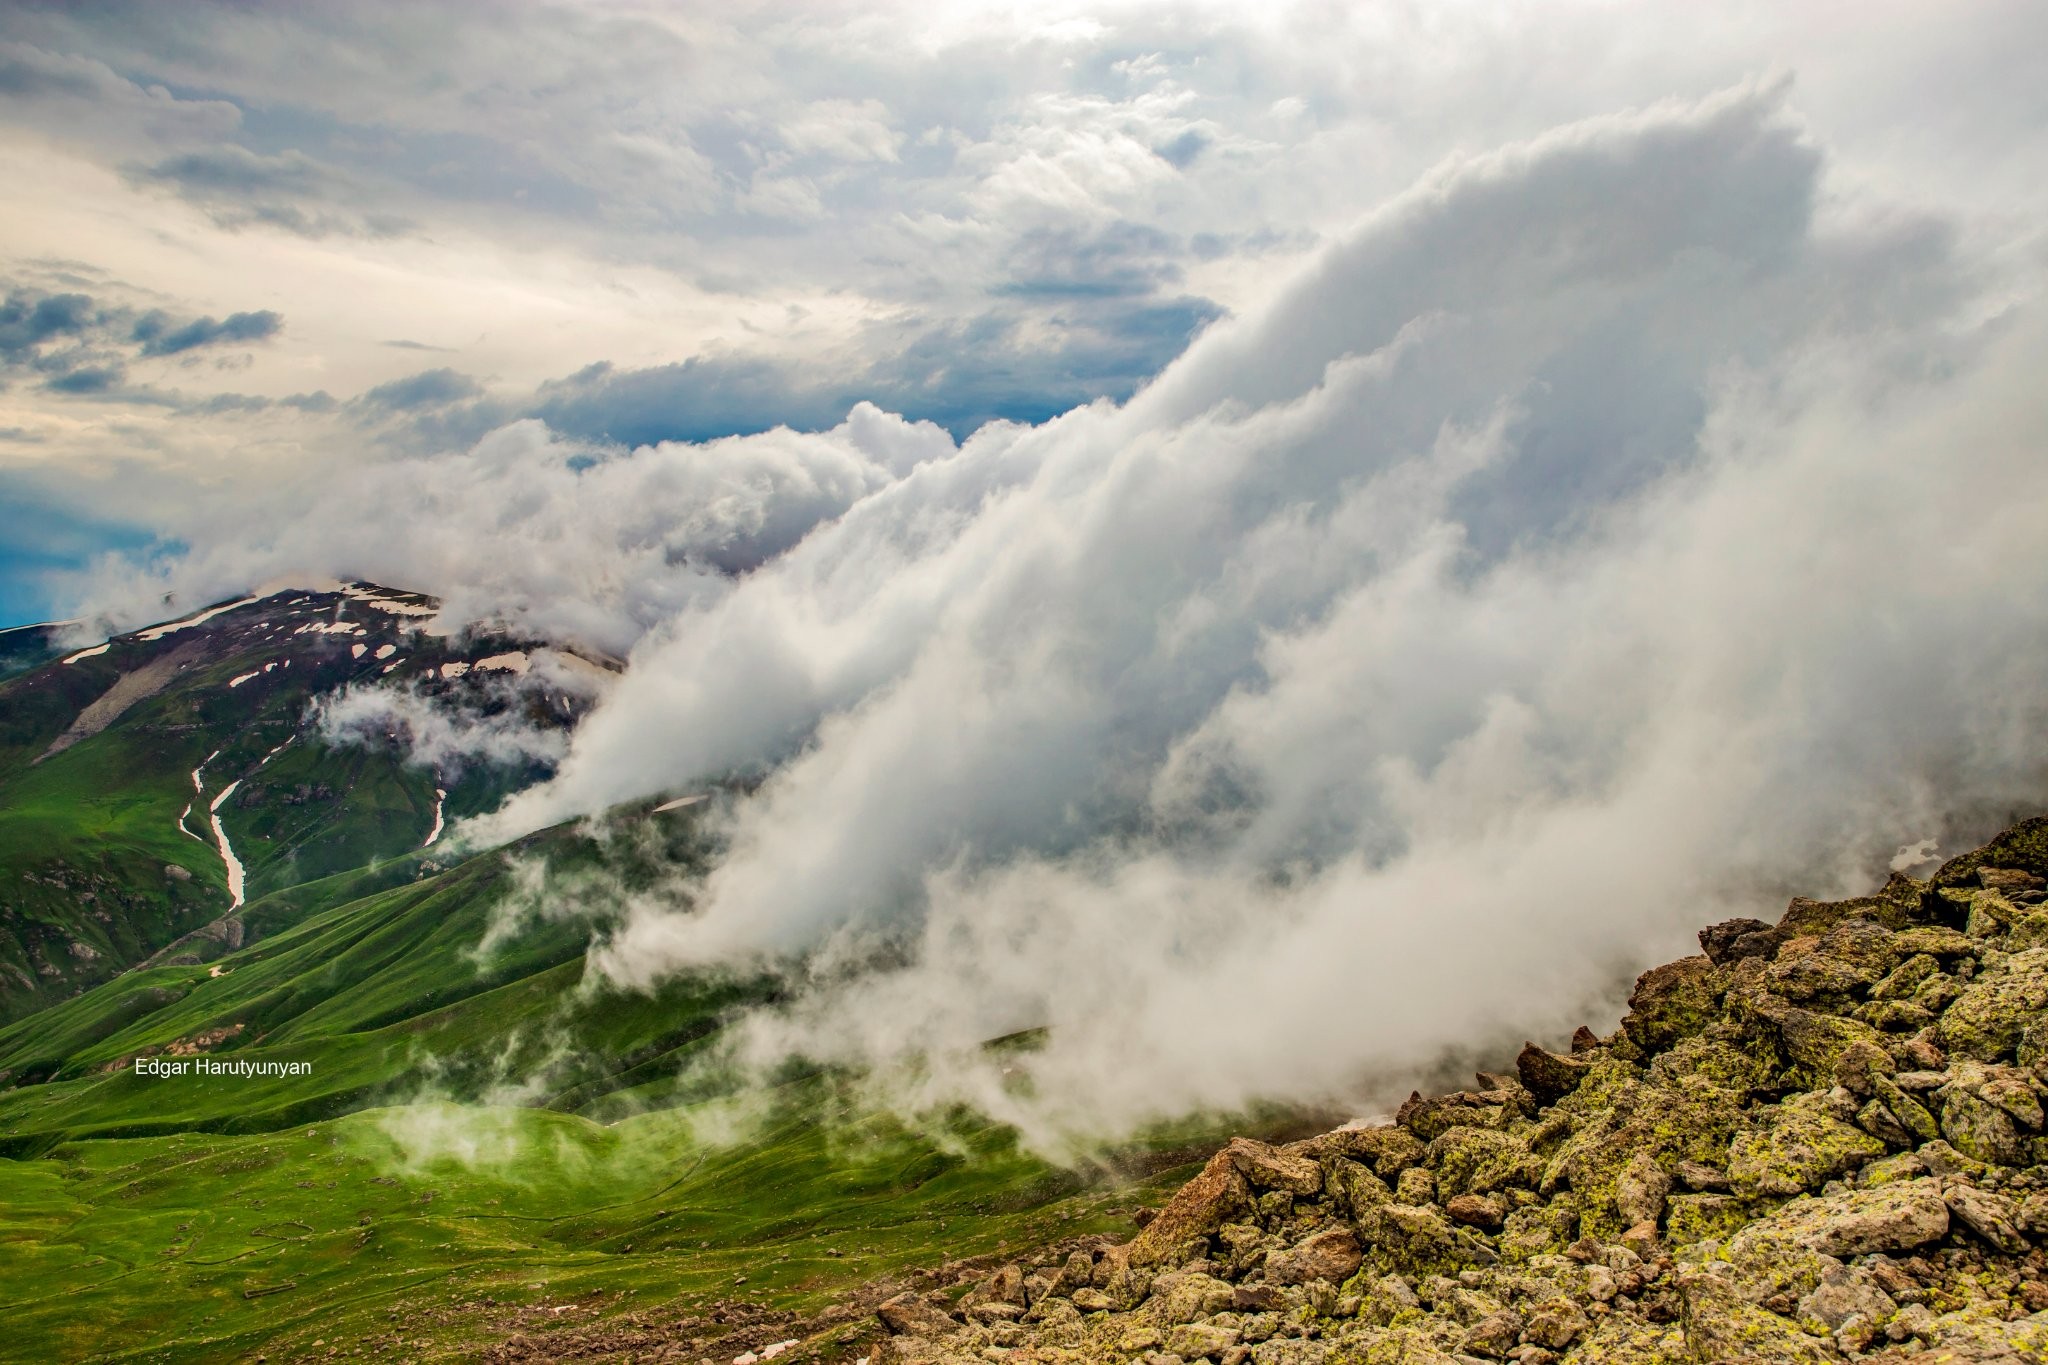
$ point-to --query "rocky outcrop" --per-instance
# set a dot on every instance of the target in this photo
(1820, 1140)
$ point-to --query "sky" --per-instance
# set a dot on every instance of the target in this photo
(1290, 544)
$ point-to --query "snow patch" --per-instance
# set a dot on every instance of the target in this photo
(227, 853)
(88, 653)
(454, 670)
(439, 798)
(515, 662)
(158, 632)
(391, 605)
(357, 651)
(682, 801)
(238, 681)
(386, 651)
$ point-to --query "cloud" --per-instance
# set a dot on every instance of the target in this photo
(287, 190)
(1247, 738)
(565, 539)
(427, 389)
(488, 720)
(160, 336)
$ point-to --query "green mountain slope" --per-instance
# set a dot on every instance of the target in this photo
(116, 761)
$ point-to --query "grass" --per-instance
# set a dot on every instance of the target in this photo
(208, 1248)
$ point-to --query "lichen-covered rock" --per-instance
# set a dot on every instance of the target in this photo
(1556, 1323)
(1671, 1002)
(1795, 1146)
(1485, 1211)
(911, 1315)
(1986, 1020)
(1495, 1335)
(1431, 1117)
(1268, 1168)
(1690, 1218)
(1981, 1130)
(1185, 1296)
(1734, 939)
(1991, 1216)
(1723, 1324)
(1548, 1076)
(1540, 1229)
(1803, 971)
(1845, 1292)
(1648, 1199)
(1332, 1254)
(1197, 1341)
(1640, 1190)
(1898, 1217)
(1417, 1240)
(1386, 1149)
(1217, 1196)
(1480, 1161)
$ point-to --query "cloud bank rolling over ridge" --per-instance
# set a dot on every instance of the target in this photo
(1617, 528)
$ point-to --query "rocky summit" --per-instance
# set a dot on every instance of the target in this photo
(1818, 1140)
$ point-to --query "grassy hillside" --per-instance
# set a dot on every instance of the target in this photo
(209, 1217)
(114, 759)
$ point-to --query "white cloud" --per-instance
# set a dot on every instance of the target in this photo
(559, 538)
(1284, 729)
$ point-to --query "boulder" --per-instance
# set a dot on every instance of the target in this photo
(1556, 1324)
(1387, 1149)
(1892, 1218)
(1495, 1335)
(2006, 880)
(1481, 1161)
(1734, 939)
(1796, 1146)
(1671, 1002)
(1486, 1211)
(1547, 1075)
(1640, 1190)
(1220, 1194)
(1353, 1188)
(1429, 1118)
(911, 1316)
(1987, 1019)
(1418, 1240)
(1266, 1167)
(1332, 1254)
(1991, 1216)
(1977, 1128)
(1200, 1340)
(1721, 1324)
(1845, 1292)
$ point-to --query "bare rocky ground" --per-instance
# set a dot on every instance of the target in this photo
(1820, 1140)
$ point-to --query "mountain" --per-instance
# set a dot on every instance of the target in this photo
(150, 783)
